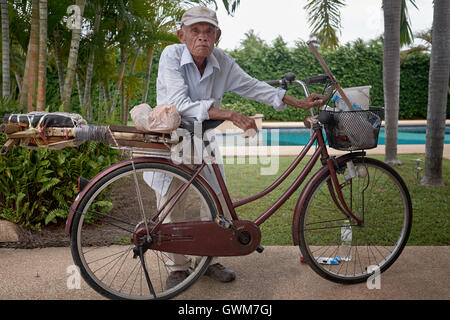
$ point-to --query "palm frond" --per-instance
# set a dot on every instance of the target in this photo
(406, 34)
(325, 21)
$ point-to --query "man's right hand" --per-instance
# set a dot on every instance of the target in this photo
(247, 124)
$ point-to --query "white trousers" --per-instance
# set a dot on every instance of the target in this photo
(179, 262)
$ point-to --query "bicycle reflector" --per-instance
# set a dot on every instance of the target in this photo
(82, 182)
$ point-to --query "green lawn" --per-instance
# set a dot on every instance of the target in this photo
(430, 204)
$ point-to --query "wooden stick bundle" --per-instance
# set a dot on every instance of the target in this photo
(57, 137)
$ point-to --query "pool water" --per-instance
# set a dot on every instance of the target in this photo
(300, 136)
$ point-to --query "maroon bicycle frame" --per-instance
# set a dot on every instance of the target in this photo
(321, 151)
(189, 237)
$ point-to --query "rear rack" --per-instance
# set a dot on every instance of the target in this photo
(60, 137)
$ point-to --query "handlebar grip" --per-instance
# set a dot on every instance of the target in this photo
(319, 79)
(274, 82)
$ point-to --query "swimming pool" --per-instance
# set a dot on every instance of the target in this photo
(413, 134)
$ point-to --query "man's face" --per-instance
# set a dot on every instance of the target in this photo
(199, 38)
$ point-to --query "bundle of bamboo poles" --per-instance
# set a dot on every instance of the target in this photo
(59, 137)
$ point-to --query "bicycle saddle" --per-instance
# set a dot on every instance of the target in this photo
(190, 123)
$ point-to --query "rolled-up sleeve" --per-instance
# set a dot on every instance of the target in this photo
(246, 86)
(176, 90)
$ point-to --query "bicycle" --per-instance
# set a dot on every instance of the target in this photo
(137, 238)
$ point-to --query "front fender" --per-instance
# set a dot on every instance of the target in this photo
(305, 192)
(74, 207)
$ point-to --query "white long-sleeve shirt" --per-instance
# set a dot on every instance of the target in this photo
(181, 84)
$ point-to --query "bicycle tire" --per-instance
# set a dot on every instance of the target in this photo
(80, 224)
(324, 240)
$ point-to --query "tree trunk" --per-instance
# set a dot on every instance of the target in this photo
(122, 104)
(119, 82)
(106, 91)
(19, 86)
(80, 91)
(6, 72)
(34, 57)
(59, 64)
(100, 102)
(148, 71)
(42, 76)
(90, 66)
(72, 61)
(127, 101)
(391, 76)
(437, 94)
(25, 83)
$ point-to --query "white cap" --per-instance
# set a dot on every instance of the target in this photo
(199, 14)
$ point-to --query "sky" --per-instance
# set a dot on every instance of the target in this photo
(287, 18)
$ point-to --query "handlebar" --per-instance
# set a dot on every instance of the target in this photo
(289, 78)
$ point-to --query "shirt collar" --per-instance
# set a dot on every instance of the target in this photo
(186, 58)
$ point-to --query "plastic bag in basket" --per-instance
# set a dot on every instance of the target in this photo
(163, 118)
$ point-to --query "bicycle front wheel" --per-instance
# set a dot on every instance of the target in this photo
(108, 217)
(378, 196)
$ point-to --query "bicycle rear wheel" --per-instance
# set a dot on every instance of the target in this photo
(378, 196)
(113, 210)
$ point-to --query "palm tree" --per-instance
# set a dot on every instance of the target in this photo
(157, 30)
(391, 75)
(90, 66)
(437, 93)
(6, 82)
(42, 69)
(33, 56)
(124, 39)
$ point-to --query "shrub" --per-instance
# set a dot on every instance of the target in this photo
(38, 186)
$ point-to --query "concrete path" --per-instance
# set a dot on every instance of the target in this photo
(420, 273)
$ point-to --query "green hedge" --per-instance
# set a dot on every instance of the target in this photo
(354, 64)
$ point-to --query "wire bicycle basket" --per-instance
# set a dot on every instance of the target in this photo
(352, 130)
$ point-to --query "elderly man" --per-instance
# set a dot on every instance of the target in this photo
(194, 76)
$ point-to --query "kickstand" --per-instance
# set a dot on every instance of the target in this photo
(147, 277)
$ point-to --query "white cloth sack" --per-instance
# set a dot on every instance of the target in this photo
(163, 118)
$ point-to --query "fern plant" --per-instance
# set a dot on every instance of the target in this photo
(38, 186)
